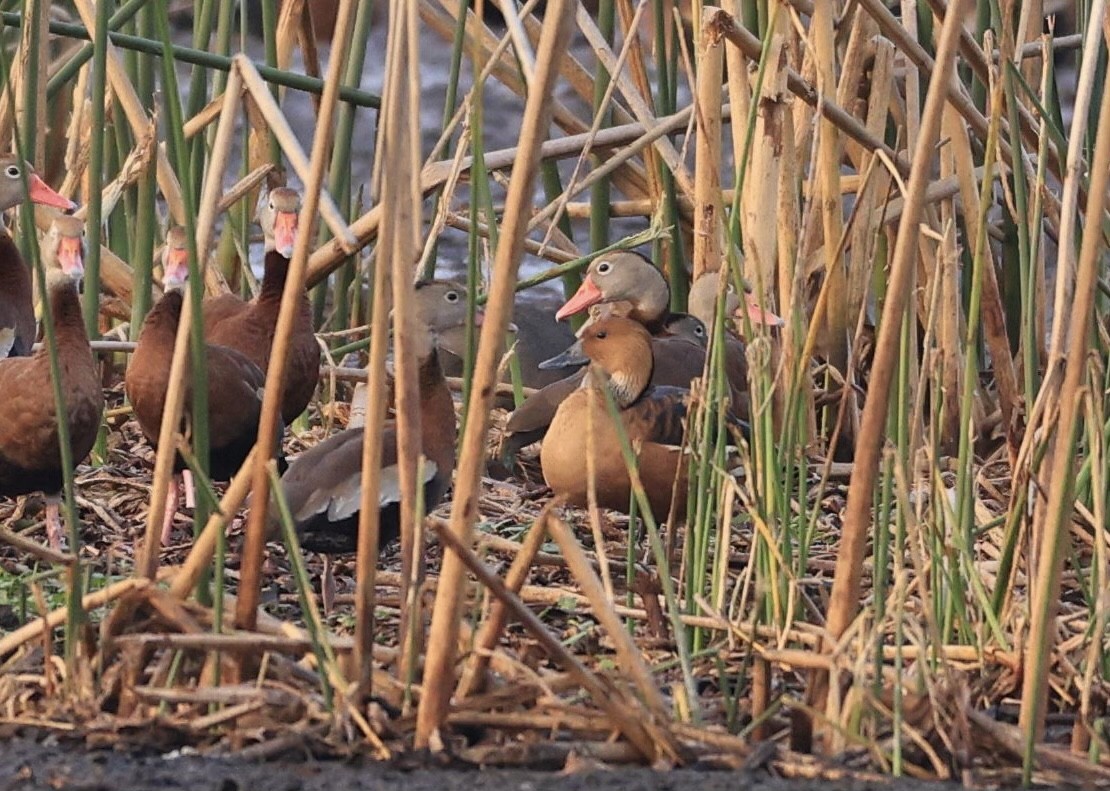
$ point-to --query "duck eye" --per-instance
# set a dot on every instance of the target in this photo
(601, 335)
(451, 296)
(699, 331)
(604, 267)
(731, 288)
(12, 171)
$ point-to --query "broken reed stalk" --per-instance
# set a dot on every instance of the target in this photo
(618, 706)
(439, 665)
(708, 205)
(473, 677)
(254, 546)
(1057, 512)
(845, 596)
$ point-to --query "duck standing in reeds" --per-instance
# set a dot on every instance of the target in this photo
(323, 486)
(30, 450)
(619, 357)
(248, 327)
(235, 384)
(17, 313)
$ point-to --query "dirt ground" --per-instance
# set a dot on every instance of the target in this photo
(26, 764)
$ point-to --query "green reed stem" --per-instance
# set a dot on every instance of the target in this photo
(274, 76)
(98, 87)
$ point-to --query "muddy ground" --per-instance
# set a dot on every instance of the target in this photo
(26, 764)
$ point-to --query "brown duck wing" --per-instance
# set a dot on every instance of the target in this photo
(537, 411)
(658, 415)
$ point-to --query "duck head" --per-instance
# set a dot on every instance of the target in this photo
(618, 351)
(702, 302)
(12, 173)
(63, 251)
(621, 275)
(687, 327)
(175, 259)
(278, 214)
(441, 308)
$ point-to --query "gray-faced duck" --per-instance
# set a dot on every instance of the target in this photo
(583, 434)
(235, 386)
(17, 313)
(30, 451)
(323, 485)
(248, 327)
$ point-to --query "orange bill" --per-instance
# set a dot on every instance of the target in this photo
(587, 294)
(41, 193)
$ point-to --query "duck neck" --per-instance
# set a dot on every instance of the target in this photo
(626, 386)
(652, 307)
(274, 271)
(164, 317)
(65, 307)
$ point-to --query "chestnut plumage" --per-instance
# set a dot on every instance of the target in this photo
(248, 327)
(30, 452)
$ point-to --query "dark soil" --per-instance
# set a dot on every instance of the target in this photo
(26, 764)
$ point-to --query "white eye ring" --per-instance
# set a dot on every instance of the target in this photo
(12, 171)
(603, 267)
(451, 296)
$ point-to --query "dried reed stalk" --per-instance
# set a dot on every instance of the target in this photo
(708, 208)
(440, 659)
(845, 596)
(251, 571)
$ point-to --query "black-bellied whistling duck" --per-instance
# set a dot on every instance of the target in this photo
(30, 454)
(323, 484)
(234, 383)
(618, 351)
(678, 355)
(248, 327)
(16, 311)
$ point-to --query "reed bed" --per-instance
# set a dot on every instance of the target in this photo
(903, 572)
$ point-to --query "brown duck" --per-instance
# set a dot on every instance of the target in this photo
(30, 454)
(234, 384)
(16, 310)
(619, 356)
(248, 327)
(323, 485)
(678, 355)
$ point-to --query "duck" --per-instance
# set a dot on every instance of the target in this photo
(535, 339)
(678, 355)
(30, 451)
(17, 311)
(323, 485)
(235, 385)
(618, 355)
(248, 327)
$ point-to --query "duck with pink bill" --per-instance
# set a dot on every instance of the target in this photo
(17, 313)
